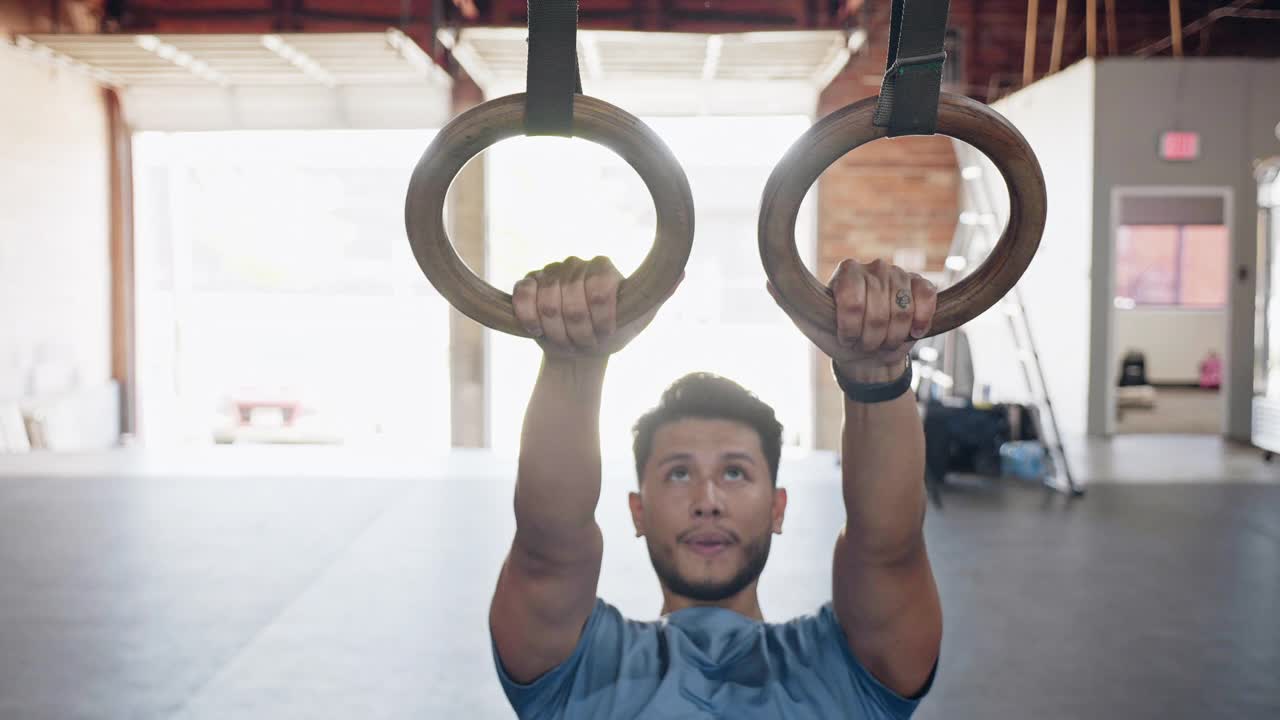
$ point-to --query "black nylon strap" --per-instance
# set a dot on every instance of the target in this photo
(552, 78)
(909, 94)
(871, 393)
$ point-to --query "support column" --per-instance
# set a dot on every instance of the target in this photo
(468, 364)
(124, 346)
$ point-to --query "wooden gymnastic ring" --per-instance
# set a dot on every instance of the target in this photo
(849, 128)
(593, 119)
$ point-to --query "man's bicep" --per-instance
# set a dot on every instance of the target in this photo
(540, 607)
(890, 614)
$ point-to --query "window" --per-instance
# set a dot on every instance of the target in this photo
(1171, 266)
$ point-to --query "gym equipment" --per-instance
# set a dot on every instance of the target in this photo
(553, 105)
(910, 103)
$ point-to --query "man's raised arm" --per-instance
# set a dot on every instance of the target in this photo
(883, 588)
(547, 587)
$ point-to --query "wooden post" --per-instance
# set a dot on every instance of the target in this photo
(1175, 23)
(1029, 57)
(1091, 28)
(1059, 28)
(1113, 33)
(468, 364)
(123, 306)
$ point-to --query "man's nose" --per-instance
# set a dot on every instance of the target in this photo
(707, 499)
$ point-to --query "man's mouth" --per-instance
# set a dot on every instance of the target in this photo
(708, 549)
(709, 543)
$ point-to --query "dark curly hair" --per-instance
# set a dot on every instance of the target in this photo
(704, 395)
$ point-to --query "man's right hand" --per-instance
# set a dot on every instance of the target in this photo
(571, 307)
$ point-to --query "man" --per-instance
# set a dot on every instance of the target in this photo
(707, 505)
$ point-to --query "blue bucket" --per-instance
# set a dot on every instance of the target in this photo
(1023, 459)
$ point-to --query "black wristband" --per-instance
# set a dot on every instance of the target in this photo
(869, 393)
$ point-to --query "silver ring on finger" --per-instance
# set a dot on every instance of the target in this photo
(903, 299)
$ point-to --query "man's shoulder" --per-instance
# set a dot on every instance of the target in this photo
(819, 621)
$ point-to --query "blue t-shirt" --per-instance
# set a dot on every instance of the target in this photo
(707, 662)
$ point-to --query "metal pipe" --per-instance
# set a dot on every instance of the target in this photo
(1029, 54)
(1113, 33)
(1059, 29)
(1235, 9)
(1175, 26)
(1091, 28)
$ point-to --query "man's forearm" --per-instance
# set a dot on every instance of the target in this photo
(883, 467)
(558, 481)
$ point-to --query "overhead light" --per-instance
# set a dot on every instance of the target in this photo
(857, 39)
(971, 172)
(956, 263)
(711, 57)
(591, 56)
(298, 59)
(182, 59)
(62, 61)
(408, 50)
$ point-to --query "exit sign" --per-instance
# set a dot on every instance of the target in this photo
(1180, 146)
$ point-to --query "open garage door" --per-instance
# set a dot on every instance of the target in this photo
(276, 297)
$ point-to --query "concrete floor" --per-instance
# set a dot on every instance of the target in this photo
(330, 583)
(1176, 410)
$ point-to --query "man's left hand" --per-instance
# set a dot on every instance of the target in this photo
(881, 311)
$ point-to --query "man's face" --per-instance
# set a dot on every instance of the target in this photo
(707, 507)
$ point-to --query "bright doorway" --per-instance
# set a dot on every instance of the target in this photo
(278, 300)
(1170, 312)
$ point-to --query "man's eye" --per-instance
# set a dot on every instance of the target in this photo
(678, 474)
(734, 473)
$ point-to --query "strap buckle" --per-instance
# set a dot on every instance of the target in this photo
(902, 64)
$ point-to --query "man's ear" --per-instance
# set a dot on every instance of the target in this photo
(779, 508)
(637, 512)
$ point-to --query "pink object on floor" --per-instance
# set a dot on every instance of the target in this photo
(1211, 371)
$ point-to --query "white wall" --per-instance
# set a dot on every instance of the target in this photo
(55, 305)
(1174, 341)
(1056, 117)
(1234, 106)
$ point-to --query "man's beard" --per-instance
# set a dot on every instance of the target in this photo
(757, 553)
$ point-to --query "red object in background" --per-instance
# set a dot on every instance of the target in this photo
(1179, 146)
